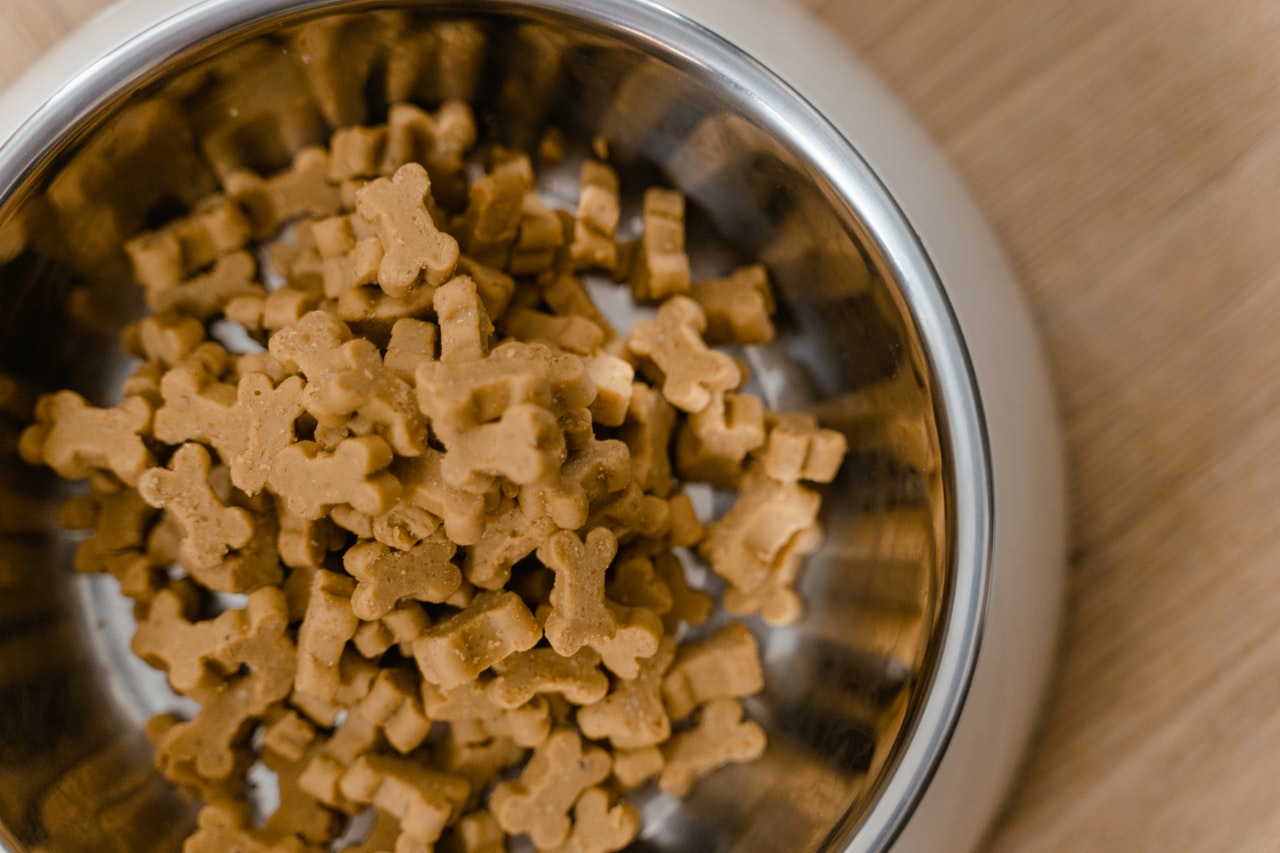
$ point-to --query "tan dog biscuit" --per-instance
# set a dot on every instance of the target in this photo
(570, 333)
(424, 801)
(566, 295)
(685, 529)
(494, 212)
(798, 449)
(720, 737)
(613, 378)
(661, 266)
(327, 626)
(395, 706)
(412, 342)
(509, 536)
(247, 424)
(492, 627)
(524, 446)
(225, 826)
(523, 675)
(633, 767)
(462, 513)
(743, 544)
(739, 307)
(194, 654)
(593, 469)
(478, 832)
(385, 576)
(776, 599)
(539, 240)
(75, 439)
(673, 340)
(465, 328)
(358, 382)
(714, 442)
(538, 802)
(596, 222)
(311, 345)
(724, 664)
(647, 432)
(289, 736)
(633, 715)
(210, 741)
(304, 189)
(312, 481)
(166, 338)
(357, 153)
(205, 296)
(599, 828)
(578, 614)
(633, 582)
(415, 250)
(210, 528)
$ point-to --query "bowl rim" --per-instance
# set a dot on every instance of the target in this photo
(132, 38)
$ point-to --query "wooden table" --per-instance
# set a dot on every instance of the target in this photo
(1128, 154)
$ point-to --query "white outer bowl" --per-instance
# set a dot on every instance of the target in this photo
(1028, 550)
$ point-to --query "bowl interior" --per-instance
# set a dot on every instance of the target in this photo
(251, 86)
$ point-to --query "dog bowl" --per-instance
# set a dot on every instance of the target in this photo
(898, 707)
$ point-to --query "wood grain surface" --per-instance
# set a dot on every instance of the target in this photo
(1128, 155)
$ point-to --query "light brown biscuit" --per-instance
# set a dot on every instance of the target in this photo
(75, 439)
(721, 736)
(599, 827)
(210, 528)
(578, 615)
(633, 715)
(304, 189)
(724, 664)
(692, 373)
(743, 544)
(385, 576)
(205, 296)
(647, 432)
(326, 628)
(739, 307)
(424, 801)
(509, 536)
(465, 329)
(412, 342)
(414, 249)
(523, 446)
(495, 209)
(776, 599)
(492, 627)
(613, 378)
(577, 678)
(312, 481)
(538, 802)
(592, 470)
(798, 449)
(712, 445)
(595, 224)
(162, 259)
(224, 826)
(661, 267)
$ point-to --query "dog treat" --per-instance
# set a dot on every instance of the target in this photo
(739, 307)
(596, 222)
(538, 802)
(75, 439)
(725, 664)
(720, 737)
(494, 626)
(798, 449)
(413, 248)
(714, 442)
(673, 340)
(661, 266)
(385, 576)
(404, 515)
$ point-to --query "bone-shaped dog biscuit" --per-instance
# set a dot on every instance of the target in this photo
(596, 222)
(538, 802)
(578, 614)
(75, 439)
(492, 627)
(798, 449)
(210, 528)
(520, 677)
(415, 250)
(633, 714)
(673, 340)
(724, 664)
(465, 328)
(424, 801)
(524, 446)
(661, 266)
(327, 626)
(720, 737)
(312, 481)
(739, 307)
(599, 827)
(714, 442)
(385, 575)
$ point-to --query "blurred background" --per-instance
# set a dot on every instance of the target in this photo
(1128, 156)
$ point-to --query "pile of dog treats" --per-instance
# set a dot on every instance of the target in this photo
(418, 544)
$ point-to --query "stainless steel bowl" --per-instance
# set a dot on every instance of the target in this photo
(943, 530)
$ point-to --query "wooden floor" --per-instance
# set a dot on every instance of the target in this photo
(1128, 154)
